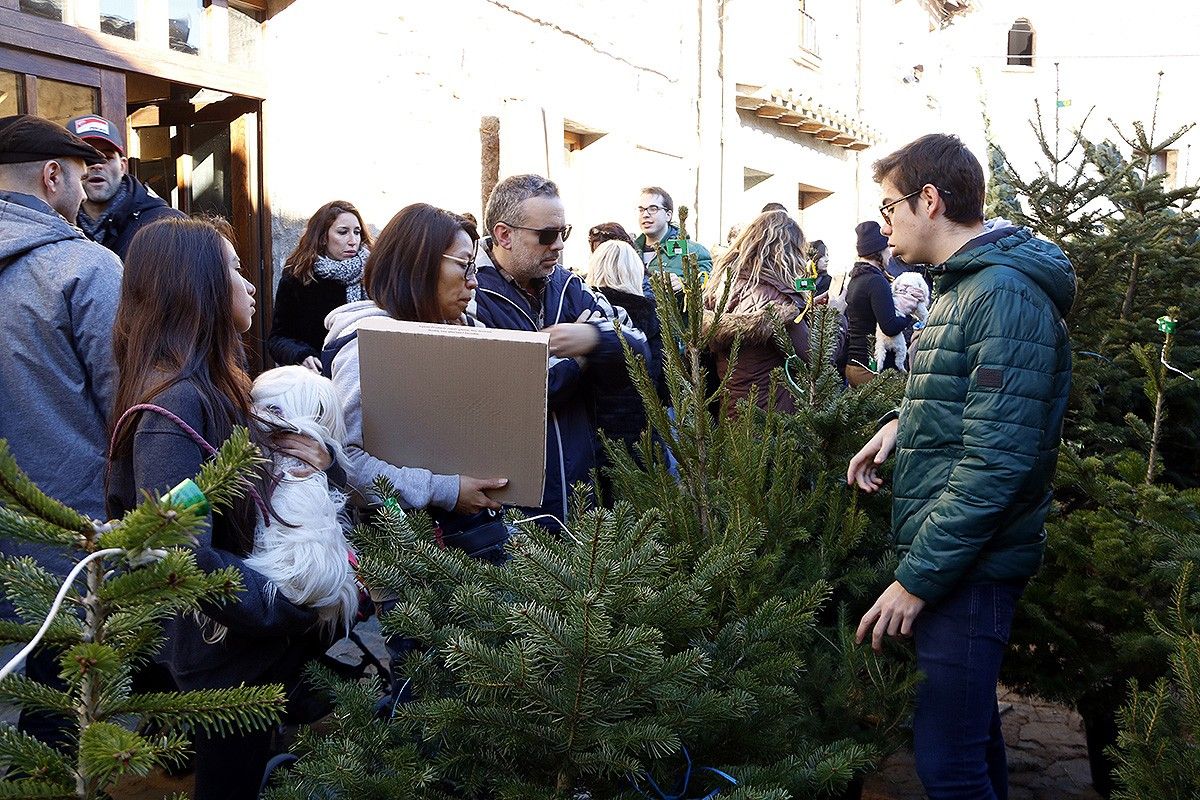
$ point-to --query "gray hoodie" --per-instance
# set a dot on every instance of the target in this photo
(58, 377)
(417, 488)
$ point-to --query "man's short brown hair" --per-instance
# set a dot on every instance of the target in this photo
(942, 160)
(667, 202)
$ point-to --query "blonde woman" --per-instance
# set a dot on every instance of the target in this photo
(616, 271)
(760, 268)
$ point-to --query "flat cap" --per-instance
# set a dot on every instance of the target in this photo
(25, 138)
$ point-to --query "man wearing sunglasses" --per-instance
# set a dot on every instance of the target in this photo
(976, 441)
(522, 287)
(659, 240)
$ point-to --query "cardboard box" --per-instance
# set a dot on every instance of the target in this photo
(457, 401)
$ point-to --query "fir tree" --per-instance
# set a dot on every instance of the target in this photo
(779, 478)
(1157, 753)
(1080, 636)
(1135, 245)
(693, 623)
(555, 674)
(1130, 440)
(138, 573)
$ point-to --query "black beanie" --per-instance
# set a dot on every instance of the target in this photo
(870, 239)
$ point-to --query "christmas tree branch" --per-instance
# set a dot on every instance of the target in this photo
(20, 493)
(215, 711)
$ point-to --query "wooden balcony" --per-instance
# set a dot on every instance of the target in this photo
(804, 114)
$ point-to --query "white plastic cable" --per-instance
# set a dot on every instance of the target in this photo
(566, 530)
(1163, 359)
(20, 657)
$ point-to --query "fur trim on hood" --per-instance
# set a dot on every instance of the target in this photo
(756, 323)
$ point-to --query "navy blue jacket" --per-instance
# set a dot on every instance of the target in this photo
(138, 209)
(268, 639)
(570, 432)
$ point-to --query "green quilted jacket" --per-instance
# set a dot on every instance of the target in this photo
(982, 416)
(674, 263)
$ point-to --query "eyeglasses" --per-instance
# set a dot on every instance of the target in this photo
(885, 210)
(651, 210)
(468, 264)
(546, 236)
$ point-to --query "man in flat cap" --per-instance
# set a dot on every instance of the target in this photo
(57, 377)
(116, 205)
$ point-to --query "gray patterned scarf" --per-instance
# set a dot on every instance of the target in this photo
(97, 229)
(348, 273)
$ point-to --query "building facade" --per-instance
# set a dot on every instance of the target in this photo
(262, 110)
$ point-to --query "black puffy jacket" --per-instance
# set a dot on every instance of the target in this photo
(138, 209)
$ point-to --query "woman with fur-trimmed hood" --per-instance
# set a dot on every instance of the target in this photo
(760, 269)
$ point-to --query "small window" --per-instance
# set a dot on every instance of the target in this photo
(808, 32)
(1165, 163)
(185, 24)
(576, 136)
(119, 18)
(50, 9)
(1020, 44)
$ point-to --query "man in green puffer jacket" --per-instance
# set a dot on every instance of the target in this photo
(659, 241)
(976, 442)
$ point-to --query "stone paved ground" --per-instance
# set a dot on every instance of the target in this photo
(1047, 758)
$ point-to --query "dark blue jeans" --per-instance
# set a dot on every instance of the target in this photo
(960, 642)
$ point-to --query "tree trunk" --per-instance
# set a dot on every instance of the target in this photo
(1131, 289)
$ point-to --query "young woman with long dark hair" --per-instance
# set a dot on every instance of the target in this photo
(323, 272)
(177, 344)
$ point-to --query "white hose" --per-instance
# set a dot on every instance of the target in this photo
(20, 657)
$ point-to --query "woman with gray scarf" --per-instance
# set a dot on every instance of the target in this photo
(323, 272)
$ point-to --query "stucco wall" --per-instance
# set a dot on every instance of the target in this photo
(381, 104)
(1109, 56)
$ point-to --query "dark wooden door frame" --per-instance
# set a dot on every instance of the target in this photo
(109, 83)
(41, 48)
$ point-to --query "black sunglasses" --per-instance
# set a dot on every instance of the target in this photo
(546, 236)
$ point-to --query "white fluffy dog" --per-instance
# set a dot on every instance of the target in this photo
(302, 548)
(910, 294)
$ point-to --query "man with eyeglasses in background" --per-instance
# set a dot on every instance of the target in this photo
(976, 441)
(659, 240)
(523, 287)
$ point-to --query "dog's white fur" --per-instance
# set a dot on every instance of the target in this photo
(910, 294)
(302, 550)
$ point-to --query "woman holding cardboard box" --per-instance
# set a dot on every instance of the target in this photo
(421, 270)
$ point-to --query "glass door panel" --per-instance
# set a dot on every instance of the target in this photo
(58, 101)
(11, 90)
